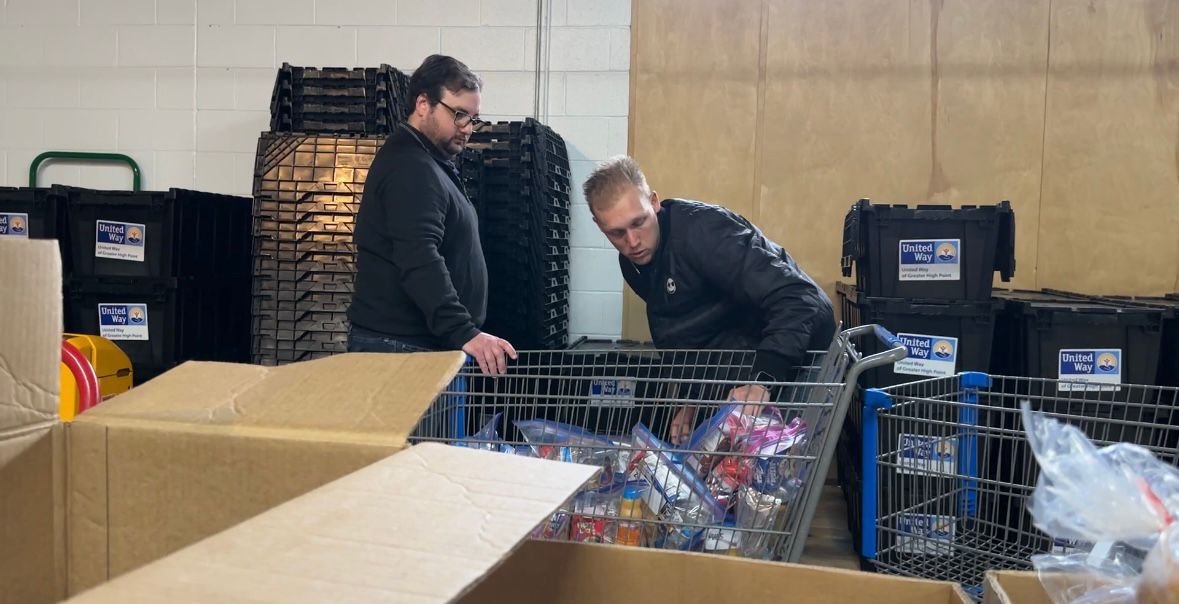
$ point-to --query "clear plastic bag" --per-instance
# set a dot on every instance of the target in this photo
(562, 442)
(1119, 501)
(678, 496)
(487, 438)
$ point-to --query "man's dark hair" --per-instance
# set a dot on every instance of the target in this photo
(438, 71)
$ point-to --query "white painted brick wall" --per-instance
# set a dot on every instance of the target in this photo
(183, 86)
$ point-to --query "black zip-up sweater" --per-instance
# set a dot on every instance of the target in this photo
(420, 273)
(716, 282)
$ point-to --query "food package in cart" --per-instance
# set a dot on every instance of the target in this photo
(773, 471)
(1119, 502)
(562, 442)
(595, 512)
(717, 435)
(677, 495)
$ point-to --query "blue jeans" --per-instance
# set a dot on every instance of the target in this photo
(363, 340)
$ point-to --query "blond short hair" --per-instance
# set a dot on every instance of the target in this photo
(611, 179)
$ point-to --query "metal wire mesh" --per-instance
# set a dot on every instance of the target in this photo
(745, 483)
(953, 469)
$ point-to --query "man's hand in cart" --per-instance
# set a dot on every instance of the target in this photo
(489, 351)
(754, 395)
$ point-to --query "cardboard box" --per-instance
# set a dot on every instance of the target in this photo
(32, 477)
(437, 523)
(1013, 587)
(207, 445)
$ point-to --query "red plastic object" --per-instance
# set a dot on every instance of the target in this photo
(84, 375)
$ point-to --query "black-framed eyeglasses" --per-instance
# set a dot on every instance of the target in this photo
(462, 118)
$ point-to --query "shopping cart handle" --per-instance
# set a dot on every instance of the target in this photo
(887, 337)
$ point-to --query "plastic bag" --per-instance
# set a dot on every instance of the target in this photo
(1120, 502)
(717, 435)
(562, 442)
(487, 438)
(677, 496)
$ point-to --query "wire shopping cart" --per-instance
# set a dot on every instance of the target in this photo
(947, 469)
(745, 483)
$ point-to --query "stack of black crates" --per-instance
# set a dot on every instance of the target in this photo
(524, 227)
(925, 273)
(308, 184)
(364, 100)
(307, 190)
(164, 275)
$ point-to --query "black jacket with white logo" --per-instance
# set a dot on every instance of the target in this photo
(716, 282)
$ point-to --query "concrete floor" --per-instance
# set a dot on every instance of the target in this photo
(829, 542)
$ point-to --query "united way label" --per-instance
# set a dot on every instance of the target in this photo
(119, 240)
(14, 225)
(1096, 369)
(123, 321)
(926, 534)
(612, 393)
(928, 356)
(918, 454)
(930, 259)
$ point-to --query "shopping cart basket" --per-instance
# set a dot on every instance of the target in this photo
(947, 469)
(745, 483)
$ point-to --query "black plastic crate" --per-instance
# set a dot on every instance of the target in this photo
(159, 323)
(152, 234)
(943, 338)
(1037, 333)
(1168, 371)
(293, 166)
(272, 302)
(30, 213)
(928, 251)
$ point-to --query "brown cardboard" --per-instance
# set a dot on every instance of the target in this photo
(207, 445)
(436, 523)
(1011, 587)
(545, 571)
(31, 475)
(420, 526)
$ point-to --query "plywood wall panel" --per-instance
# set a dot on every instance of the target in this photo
(1110, 210)
(694, 77)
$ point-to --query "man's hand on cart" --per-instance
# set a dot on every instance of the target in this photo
(684, 422)
(489, 351)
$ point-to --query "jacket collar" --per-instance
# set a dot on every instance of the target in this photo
(428, 145)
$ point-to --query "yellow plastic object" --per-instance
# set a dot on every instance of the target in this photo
(111, 365)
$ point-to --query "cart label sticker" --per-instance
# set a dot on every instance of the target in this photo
(612, 393)
(14, 225)
(123, 321)
(919, 454)
(1064, 547)
(930, 259)
(926, 534)
(119, 240)
(1095, 369)
(929, 356)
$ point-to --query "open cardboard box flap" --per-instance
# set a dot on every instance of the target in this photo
(421, 526)
(357, 393)
(32, 472)
(207, 445)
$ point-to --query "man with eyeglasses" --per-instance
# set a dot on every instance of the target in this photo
(421, 280)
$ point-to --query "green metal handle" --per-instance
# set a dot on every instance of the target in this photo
(86, 155)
